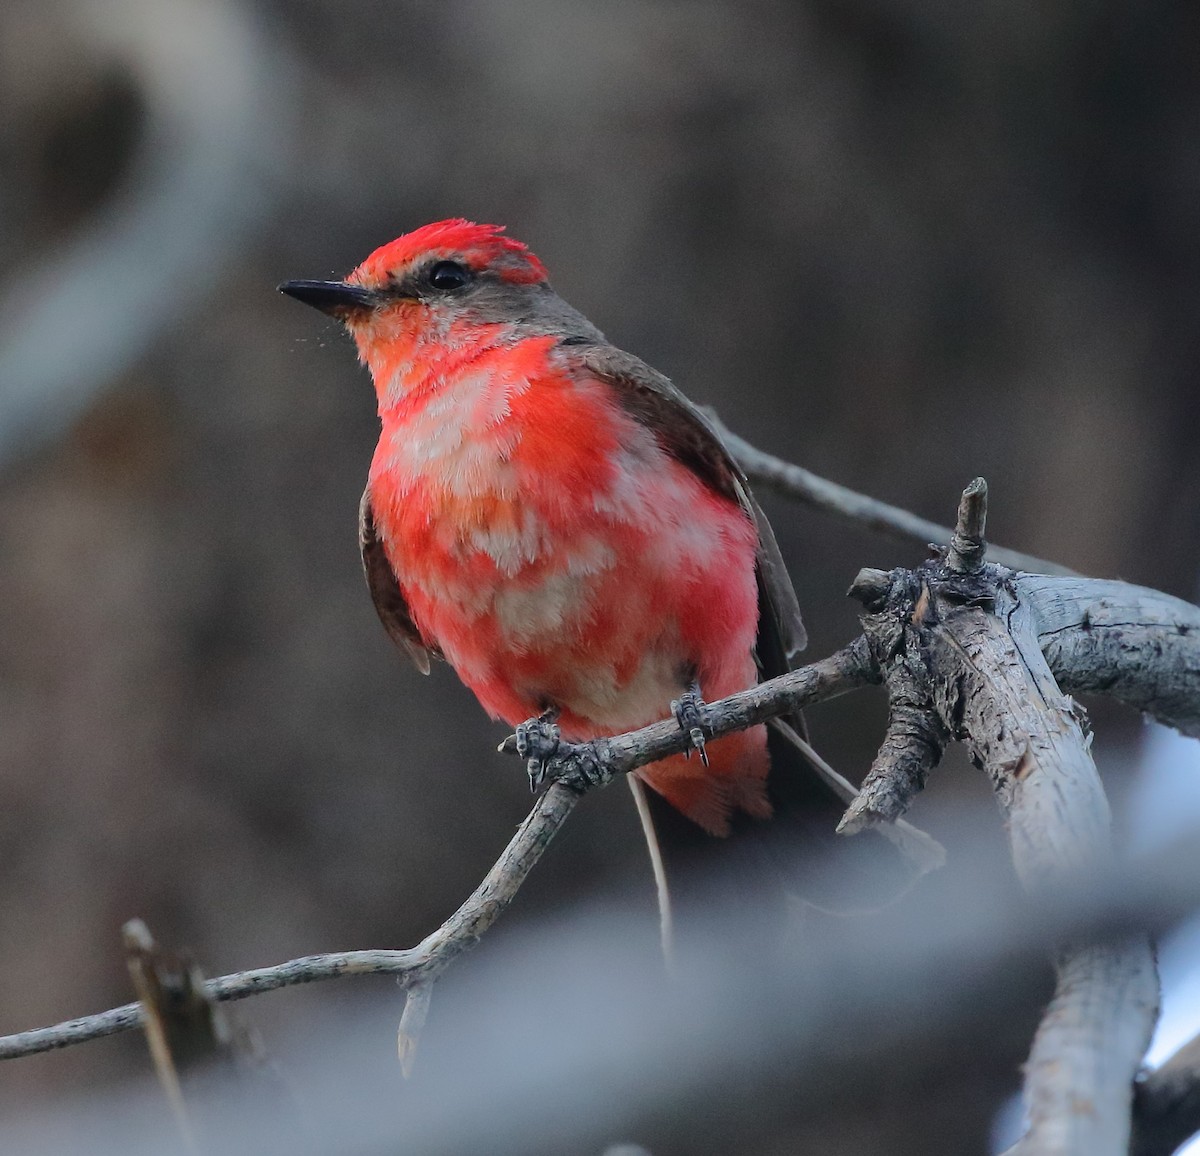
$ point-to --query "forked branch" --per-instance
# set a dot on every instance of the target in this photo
(959, 645)
(419, 966)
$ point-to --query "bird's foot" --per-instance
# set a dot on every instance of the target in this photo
(550, 759)
(691, 713)
(538, 741)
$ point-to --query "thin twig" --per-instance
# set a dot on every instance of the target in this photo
(666, 917)
(967, 543)
(795, 482)
(414, 965)
(847, 670)
(416, 1008)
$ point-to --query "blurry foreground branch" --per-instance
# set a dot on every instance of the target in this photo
(569, 1036)
(214, 88)
(1167, 1104)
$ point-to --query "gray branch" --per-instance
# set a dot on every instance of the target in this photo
(847, 670)
(415, 967)
(602, 760)
(958, 639)
(915, 737)
(795, 482)
(1027, 735)
(1136, 645)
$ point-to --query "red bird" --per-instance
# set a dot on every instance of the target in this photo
(553, 517)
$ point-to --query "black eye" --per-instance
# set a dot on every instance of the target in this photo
(449, 275)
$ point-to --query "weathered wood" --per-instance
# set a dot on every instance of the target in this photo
(967, 651)
(1136, 645)
(915, 738)
(995, 691)
(959, 644)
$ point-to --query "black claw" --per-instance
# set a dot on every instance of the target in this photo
(538, 742)
(536, 771)
(691, 714)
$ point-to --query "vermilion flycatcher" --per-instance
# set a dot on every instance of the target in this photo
(555, 519)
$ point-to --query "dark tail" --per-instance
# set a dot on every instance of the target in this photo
(796, 855)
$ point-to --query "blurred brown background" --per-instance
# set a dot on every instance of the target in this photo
(899, 242)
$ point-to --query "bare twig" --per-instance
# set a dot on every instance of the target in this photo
(967, 544)
(838, 674)
(416, 1008)
(848, 669)
(419, 964)
(1167, 1104)
(795, 482)
(666, 915)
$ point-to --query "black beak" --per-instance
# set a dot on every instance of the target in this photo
(337, 298)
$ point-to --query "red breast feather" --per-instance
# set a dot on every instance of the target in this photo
(559, 556)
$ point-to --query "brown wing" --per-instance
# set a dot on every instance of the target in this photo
(684, 430)
(385, 591)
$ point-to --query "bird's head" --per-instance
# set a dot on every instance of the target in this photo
(437, 288)
(427, 279)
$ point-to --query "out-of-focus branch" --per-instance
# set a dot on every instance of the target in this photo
(1166, 1104)
(73, 319)
(176, 1011)
(578, 1005)
(796, 482)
